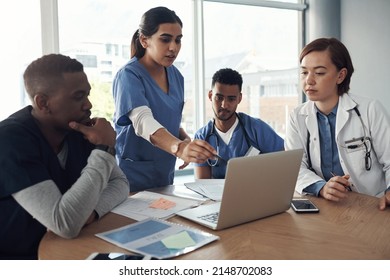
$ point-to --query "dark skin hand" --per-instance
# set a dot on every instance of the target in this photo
(99, 131)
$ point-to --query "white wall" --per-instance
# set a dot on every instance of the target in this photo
(365, 30)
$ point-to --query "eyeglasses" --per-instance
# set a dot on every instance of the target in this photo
(366, 145)
(367, 156)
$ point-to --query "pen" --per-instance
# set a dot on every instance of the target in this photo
(347, 187)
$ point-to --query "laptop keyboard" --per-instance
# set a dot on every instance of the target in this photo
(212, 217)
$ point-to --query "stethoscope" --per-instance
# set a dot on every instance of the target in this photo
(365, 142)
(213, 133)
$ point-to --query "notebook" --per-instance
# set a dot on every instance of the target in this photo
(255, 187)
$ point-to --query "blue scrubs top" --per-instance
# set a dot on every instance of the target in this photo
(145, 165)
(260, 135)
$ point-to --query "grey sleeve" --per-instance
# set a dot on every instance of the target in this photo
(100, 186)
(117, 190)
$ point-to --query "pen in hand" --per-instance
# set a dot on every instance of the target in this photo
(347, 187)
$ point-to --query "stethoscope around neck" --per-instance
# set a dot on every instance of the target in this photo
(365, 142)
(213, 133)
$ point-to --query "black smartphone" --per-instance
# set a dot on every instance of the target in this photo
(304, 205)
(116, 256)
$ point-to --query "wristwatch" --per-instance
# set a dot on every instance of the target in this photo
(175, 148)
(106, 148)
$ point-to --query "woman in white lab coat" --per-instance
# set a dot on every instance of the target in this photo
(346, 138)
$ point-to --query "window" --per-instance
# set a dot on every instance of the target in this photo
(21, 43)
(262, 44)
(89, 61)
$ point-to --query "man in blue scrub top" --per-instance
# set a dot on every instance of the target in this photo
(232, 134)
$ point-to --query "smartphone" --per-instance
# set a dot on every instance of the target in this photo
(116, 256)
(303, 205)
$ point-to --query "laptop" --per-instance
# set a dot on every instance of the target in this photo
(255, 187)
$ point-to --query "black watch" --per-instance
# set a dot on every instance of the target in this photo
(106, 148)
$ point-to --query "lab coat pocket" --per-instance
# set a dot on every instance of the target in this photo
(356, 159)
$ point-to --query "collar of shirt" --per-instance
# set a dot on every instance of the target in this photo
(226, 136)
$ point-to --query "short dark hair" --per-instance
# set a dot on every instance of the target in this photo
(227, 76)
(149, 25)
(339, 55)
(46, 73)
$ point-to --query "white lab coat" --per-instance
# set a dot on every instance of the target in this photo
(348, 126)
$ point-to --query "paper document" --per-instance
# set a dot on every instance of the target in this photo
(158, 238)
(179, 191)
(150, 204)
(211, 188)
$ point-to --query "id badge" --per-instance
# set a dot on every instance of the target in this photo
(252, 151)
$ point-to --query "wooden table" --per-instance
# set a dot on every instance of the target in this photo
(352, 229)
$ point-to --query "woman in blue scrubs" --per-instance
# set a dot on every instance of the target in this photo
(149, 98)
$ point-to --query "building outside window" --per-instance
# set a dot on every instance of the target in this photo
(262, 44)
